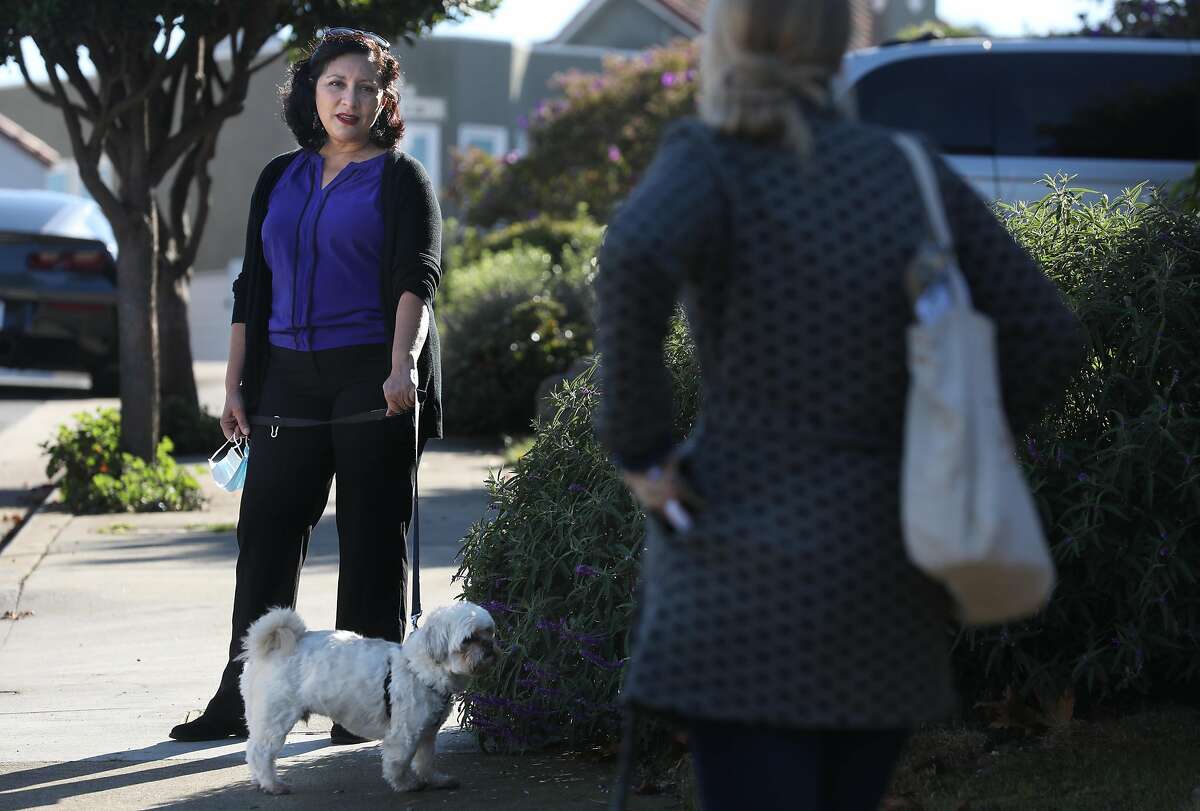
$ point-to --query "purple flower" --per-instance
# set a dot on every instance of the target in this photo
(614, 153)
(523, 122)
(550, 625)
(1164, 551)
(583, 639)
(512, 157)
(1058, 455)
(599, 661)
(497, 607)
(1116, 642)
(669, 79)
(1083, 477)
(576, 487)
(1031, 447)
(1187, 460)
(691, 74)
(584, 570)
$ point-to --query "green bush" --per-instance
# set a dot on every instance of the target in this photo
(98, 478)
(507, 322)
(1116, 471)
(556, 568)
(468, 244)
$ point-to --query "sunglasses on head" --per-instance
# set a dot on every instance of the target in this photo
(350, 32)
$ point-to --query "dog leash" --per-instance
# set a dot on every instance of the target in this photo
(276, 422)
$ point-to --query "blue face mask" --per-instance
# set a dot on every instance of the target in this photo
(229, 466)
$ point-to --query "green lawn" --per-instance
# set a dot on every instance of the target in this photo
(1144, 762)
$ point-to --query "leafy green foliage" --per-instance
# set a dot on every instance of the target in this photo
(1116, 469)
(557, 568)
(590, 146)
(1178, 19)
(508, 321)
(936, 29)
(467, 244)
(98, 478)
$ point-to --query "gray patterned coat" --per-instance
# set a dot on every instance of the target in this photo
(792, 602)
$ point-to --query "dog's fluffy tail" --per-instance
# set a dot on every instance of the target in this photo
(275, 633)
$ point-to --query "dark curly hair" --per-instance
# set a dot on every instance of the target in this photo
(299, 94)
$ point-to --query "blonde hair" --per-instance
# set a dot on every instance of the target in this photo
(760, 58)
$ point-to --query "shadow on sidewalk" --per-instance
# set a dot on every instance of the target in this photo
(337, 779)
(445, 517)
(49, 783)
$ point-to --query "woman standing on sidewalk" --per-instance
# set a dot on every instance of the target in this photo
(332, 317)
(786, 629)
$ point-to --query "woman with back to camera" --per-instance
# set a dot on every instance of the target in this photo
(332, 317)
(786, 629)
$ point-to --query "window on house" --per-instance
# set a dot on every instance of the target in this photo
(423, 141)
(491, 139)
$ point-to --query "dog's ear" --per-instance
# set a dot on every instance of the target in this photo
(436, 639)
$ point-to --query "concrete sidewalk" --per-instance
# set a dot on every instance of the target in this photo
(128, 633)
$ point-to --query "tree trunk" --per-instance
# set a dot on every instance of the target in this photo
(175, 339)
(136, 294)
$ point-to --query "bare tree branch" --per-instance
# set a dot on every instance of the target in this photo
(87, 155)
(189, 237)
(48, 98)
(70, 63)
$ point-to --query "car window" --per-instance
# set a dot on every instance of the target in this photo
(27, 214)
(947, 98)
(1122, 106)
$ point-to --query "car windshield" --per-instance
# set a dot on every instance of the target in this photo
(28, 214)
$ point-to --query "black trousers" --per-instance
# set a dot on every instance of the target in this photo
(287, 487)
(740, 766)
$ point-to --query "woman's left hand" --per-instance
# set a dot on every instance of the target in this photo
(400, 389)
(656, 487)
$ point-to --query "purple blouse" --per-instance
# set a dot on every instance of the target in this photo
(323, 248)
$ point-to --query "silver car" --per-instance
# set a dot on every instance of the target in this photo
(58, 286)
(1115, 112)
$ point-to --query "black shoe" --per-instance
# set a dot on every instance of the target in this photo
(209, 727)
(340, 736)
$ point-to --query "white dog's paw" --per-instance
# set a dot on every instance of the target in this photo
(277, 788)
(443, 781)
(407, 783)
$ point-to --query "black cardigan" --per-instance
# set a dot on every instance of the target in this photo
(410, 261)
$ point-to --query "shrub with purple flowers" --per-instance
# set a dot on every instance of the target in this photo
(1111, 466)
(589, 146)
(560, 559)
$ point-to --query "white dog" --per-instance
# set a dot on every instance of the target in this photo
(399, 694)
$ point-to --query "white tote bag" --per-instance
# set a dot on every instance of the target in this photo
(969, 520)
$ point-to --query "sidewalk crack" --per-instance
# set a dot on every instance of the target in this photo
(24, 579)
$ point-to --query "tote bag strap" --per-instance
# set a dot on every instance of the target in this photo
(926, 177)
(935, 215)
